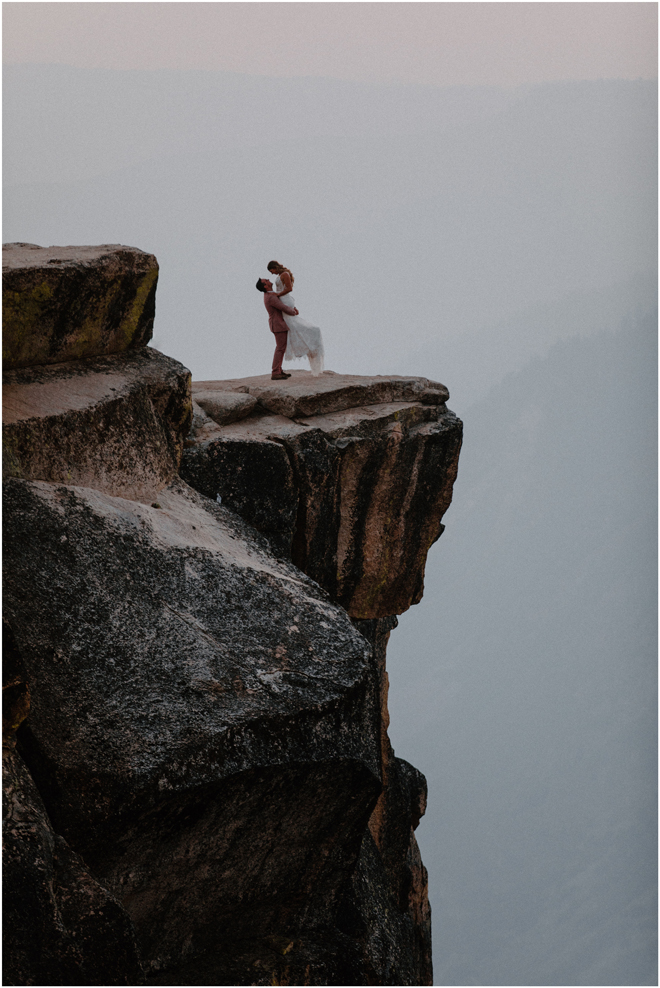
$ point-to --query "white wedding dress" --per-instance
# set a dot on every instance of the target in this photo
(304, 339)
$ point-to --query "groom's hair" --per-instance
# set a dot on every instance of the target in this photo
(260, 286)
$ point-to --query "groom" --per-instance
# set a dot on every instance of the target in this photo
(275, 307)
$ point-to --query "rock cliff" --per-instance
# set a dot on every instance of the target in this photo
(199, 583)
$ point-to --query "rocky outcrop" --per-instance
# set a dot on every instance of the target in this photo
(200, 788)
(223, 407)
(69, 303)
(355, 496)
(202, 723)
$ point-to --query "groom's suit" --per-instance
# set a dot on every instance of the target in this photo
(275, 307)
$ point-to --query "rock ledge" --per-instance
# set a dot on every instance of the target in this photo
(348, 476)
(303, 394)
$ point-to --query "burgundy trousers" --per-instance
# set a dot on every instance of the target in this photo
(280, 349)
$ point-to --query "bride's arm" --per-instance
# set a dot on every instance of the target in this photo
(285, 278)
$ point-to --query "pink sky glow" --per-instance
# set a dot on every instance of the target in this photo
(429, 43)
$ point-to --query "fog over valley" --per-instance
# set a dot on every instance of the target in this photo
(533, 705)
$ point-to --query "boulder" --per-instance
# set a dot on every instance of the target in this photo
(115, 423)
(69, 303)
(201, 427)
(226, 406)
(372, 484)
(303, 394)
(203, 724)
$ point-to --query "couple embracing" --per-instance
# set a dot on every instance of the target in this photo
(294, 337)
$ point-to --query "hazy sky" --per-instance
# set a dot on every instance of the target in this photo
(430, 43)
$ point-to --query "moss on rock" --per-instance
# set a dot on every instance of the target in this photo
(70, 303)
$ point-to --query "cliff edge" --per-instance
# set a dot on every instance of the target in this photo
(200, 580)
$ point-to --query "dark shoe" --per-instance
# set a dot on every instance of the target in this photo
(279, 377)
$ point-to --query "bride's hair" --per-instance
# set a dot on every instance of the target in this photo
(279, 268)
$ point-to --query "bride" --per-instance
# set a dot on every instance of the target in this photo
(304, 339)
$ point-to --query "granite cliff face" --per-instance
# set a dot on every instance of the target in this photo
(360, 471)
(199, 589)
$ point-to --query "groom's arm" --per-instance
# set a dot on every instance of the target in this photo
(279, 304)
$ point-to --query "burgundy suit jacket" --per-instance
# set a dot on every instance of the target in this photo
(275, 306)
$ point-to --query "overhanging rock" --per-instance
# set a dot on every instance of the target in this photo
(359, 492)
